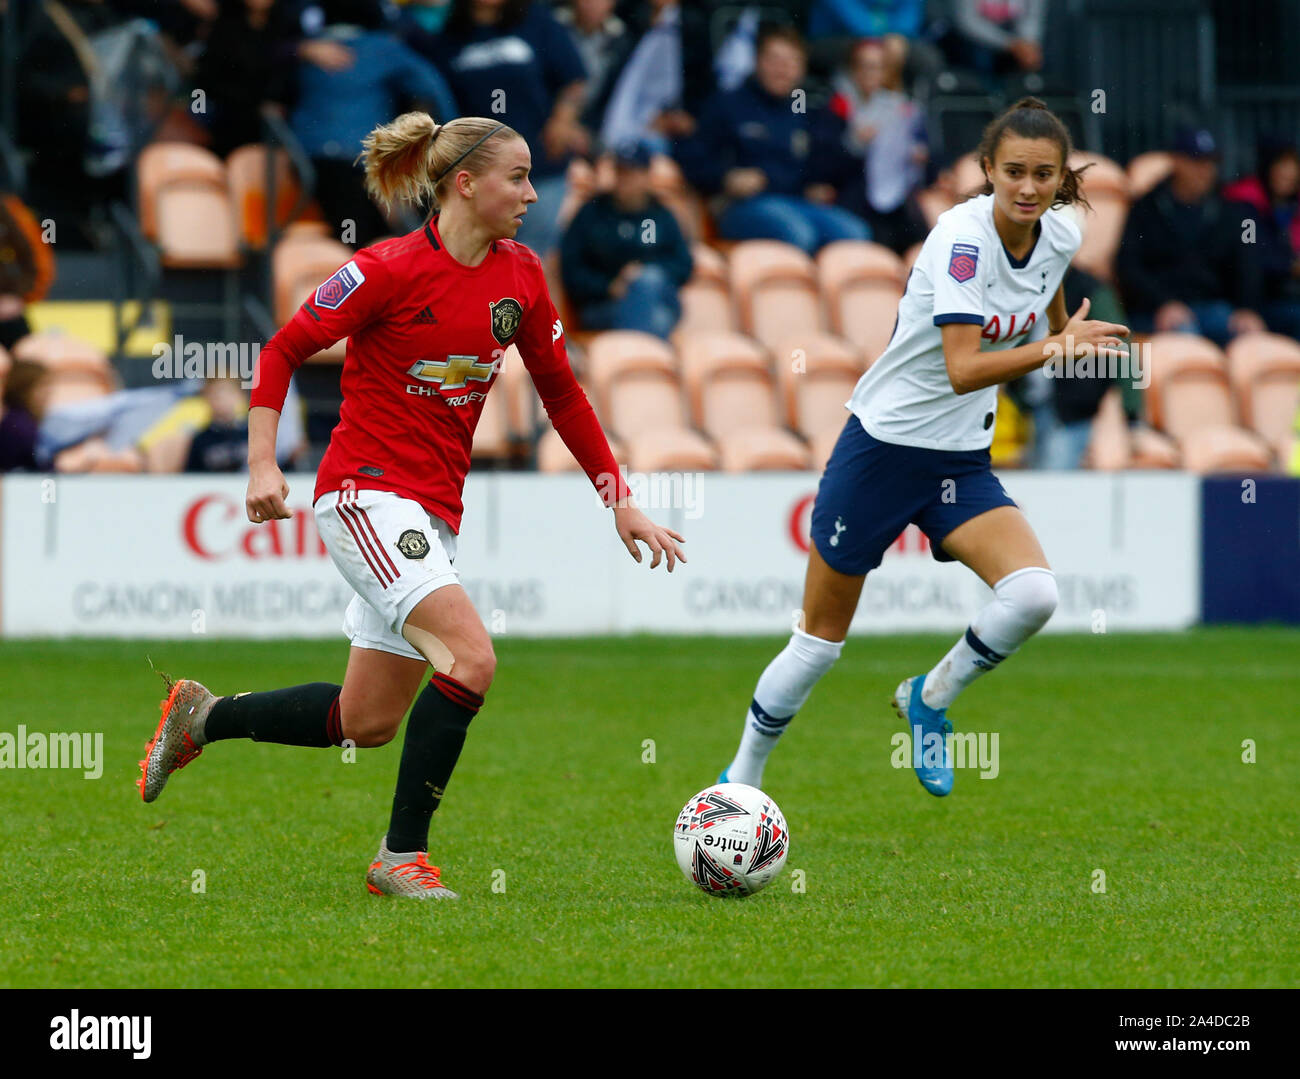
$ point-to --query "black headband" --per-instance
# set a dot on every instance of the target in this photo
(466, 154)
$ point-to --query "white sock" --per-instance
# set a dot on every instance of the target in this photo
(781, 692)
(1022, 603)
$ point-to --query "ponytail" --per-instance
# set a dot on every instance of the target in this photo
(410, 159)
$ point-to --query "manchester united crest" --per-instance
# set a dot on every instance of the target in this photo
(413, 544)
(505, 318)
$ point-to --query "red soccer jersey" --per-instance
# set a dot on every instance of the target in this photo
(426, 339)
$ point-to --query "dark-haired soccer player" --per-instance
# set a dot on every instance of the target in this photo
(982, 296)
(428, 317)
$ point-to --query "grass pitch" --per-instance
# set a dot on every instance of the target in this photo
(1118, 754)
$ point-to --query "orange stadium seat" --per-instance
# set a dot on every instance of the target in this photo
(1190, 401)
(185, 206)
(1225, 449)
(775, 288)
(1146, 170)
(709, 265)
(1264, 369)
(729, 385)
(816, 374)
(554, 456)
(909, 259)
(1189, 384)
(299, 263)
(1103, 174)
(706, 297)
(1149, 449)
(246, 177)
(671, 449)
(1108, 447)
(617, 355)
(861, 284)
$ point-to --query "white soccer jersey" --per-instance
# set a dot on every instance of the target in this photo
(963, 274)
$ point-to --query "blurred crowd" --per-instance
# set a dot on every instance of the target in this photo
(803, 121)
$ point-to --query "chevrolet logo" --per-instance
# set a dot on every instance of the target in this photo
(453, 373)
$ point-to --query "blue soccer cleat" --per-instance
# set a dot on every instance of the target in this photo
(924, 725)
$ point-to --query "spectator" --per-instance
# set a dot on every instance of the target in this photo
(337, 109)
(602, 40)
(623, 257)
(510, 59)
(834, 26)
(54, 113)
(1181, 263)
(996, 37)
(658, 88)
(26, 267)
(886, 132)
(427, 15)
(776, 167)
(246, 61)
(19, 412)
(1272, 194)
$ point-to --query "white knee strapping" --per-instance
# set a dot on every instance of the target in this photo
(1022, 603)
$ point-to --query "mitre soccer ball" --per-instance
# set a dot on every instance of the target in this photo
(731, 840)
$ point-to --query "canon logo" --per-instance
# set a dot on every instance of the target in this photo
(216, 527)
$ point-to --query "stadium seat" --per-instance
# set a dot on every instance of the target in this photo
(185, 206)
(1146, 170)
(1264, 369)
(1108, 446)
(670, 449)
(1225, 449)
(709, 265)
(299, 263)
(815, 374)
(775, 287)
(524, 410)
(822, 444)
(706, 307)
(1149, 449)
(62, 352)
(1189, 384)
(1103, 174)
(246, 176)
(729, 385)
(1102, 227)
(861, 284)
(554, 456)
(616, 355)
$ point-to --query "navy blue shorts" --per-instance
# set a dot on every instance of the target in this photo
(872, 490)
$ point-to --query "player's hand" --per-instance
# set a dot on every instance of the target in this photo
(633, 525)
(1102, 336)
(1244, 320)
(327, 55)
(267, 491)
(742, 183)
(1174, 317)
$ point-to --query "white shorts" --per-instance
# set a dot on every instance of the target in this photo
(393, 554)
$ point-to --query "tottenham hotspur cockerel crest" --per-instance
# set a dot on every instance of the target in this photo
(505, 318)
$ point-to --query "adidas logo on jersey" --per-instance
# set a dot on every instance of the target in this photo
(425, 315)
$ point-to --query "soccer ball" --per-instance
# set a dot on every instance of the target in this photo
(731, 840)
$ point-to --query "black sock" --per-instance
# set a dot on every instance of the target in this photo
(435, 733)
(298, 716)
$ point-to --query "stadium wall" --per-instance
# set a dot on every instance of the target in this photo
(174, 556)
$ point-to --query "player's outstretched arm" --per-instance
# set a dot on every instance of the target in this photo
(267, 488)
(633, 525)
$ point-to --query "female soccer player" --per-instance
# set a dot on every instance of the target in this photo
(983, 292)
(428, 317)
